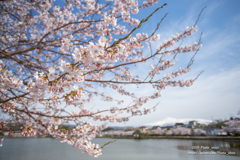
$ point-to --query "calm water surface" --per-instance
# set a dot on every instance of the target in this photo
(127, 149)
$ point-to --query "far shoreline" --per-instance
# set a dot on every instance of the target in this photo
(218, 138)
(215, 138)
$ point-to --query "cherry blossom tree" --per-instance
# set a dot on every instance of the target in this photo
(183, 131)
(233, 126)
(169, 132)
(179, 131)
(157, 131)
(54, 56)
(119, 133)
(199, 132)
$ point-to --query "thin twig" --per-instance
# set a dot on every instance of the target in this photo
(199, 16)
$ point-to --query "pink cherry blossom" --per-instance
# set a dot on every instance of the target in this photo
(57, 59)
(155, 37)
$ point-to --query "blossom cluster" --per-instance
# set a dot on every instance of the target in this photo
(119, 133)
(80, 137)
(172, 131)
(179, 131)
(56, 57)
(28, 131)
(199, 132)
(2, 124)
(233, 126)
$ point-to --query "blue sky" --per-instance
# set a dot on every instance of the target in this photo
(215, 94)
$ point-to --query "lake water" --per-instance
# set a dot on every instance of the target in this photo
(122, 149)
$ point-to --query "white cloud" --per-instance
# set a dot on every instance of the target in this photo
(211, 97)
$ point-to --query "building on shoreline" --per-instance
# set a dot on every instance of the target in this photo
(143, 129)
(215, 132)
(179, 125)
